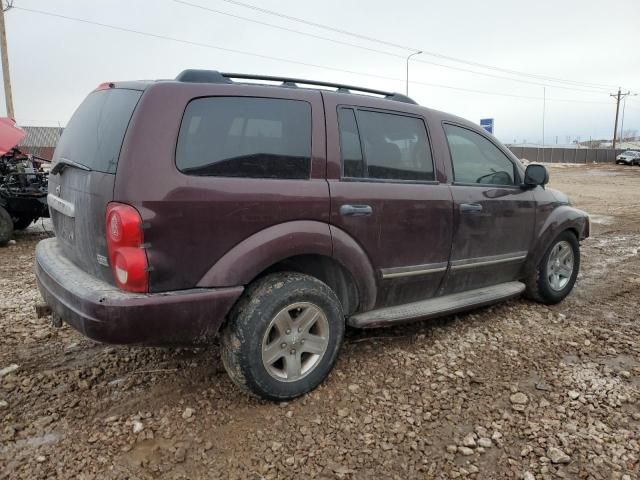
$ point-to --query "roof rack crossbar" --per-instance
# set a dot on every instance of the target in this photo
(213, 76)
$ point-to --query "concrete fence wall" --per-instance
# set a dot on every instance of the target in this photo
(566, 155)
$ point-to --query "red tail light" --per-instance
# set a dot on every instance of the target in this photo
(125, 240)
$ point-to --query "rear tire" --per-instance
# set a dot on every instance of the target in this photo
(6, 227)
(283, 337)
(556, 273)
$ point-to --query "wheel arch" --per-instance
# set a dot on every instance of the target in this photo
(310, 247)
(564, 218)
(325, 269)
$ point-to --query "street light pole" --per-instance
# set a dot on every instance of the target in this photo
(544, 107)
(411, 55)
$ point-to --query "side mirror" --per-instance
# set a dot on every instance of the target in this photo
(535, 175)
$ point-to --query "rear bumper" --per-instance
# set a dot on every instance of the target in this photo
(107, 314)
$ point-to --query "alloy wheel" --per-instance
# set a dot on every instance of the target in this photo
(295, 341)
(560, 265)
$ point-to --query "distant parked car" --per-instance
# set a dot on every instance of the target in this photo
(280, 214)
(630, 157)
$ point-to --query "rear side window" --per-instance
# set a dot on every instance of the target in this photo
(476, 159)
(93, 137)
(396, 147)
(245, 137)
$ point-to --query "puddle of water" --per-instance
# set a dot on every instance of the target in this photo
(614, 250)
(602, 219)
(147, 450)
(623, 246)
(36, 441)
(598, 173)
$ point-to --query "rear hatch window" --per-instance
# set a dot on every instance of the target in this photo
(92, 139)
(94, 134)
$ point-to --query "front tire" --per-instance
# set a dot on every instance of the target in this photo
(283, 337)
(556, 273)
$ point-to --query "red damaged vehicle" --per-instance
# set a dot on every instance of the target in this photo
(23, 183)
(278, 213)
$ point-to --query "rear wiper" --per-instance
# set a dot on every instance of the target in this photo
(64, 163)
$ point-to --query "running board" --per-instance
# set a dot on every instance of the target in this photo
(436, 307)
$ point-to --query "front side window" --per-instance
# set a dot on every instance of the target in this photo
(477, 160)
(245, 137)
(396, 147)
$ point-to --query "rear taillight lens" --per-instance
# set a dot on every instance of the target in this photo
(125, 240)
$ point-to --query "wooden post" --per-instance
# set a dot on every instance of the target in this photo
(8, 96)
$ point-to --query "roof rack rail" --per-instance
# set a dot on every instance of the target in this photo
(213, 76)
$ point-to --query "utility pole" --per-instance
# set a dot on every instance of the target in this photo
(8, 96)
(618, 96)
(407, 84)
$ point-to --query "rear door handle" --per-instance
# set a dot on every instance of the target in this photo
(356, 210)
(470, 207)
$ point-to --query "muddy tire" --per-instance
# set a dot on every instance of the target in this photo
(22, 221)
(283, 337)
(6, 227)
(556, 273)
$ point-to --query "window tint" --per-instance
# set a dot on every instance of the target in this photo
(352, 163)
(395, 146)
(94, 135)
(476, 159)
(245, 137)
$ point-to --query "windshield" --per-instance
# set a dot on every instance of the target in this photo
(94, 134)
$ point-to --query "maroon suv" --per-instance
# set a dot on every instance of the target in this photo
(278, 214)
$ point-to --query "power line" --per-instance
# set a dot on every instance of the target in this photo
(286, 29)
(414, 49)
(375, 50)
(280, 59)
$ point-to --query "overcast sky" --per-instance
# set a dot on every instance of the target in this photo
(56, 62)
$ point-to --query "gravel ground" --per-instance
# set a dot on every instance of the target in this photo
(518, 390)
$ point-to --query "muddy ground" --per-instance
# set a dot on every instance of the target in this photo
(518, 390)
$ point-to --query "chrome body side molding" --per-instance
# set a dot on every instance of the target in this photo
(487, 261)
(413, 270)
(463, 264)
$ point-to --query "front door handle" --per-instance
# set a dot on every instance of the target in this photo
(356, 210)
(470, 207)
